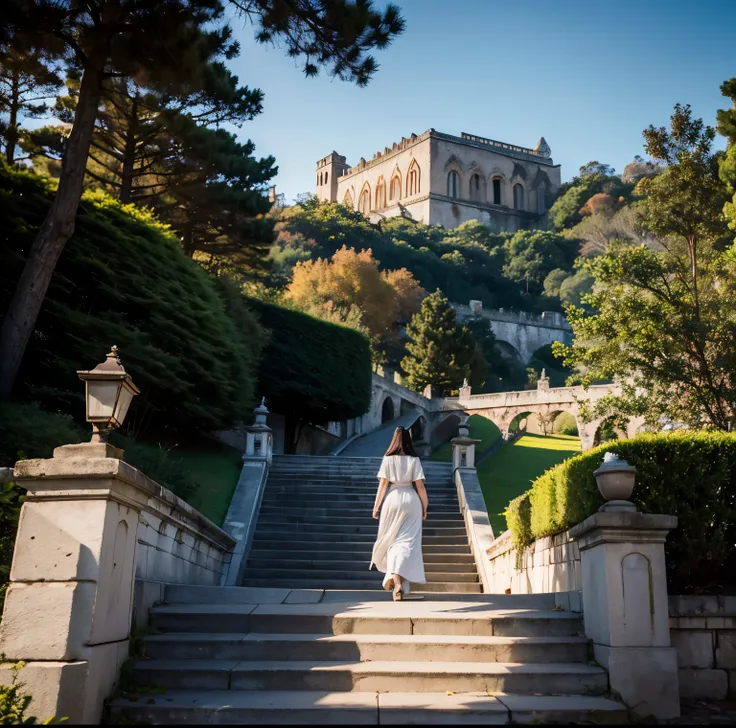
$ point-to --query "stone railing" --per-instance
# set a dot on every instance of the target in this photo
(95, 538)
(612, 565)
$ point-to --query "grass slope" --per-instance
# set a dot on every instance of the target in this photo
(481, 429)
(509, 472)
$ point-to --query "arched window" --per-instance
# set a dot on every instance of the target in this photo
(518, 197)
(453, 184)
(477, 188)
(380, 194)
(319, 179)
(348, 200)
(395, 190)
(496, 191)
(364, 201)
(413, 180)
(325, 177)
(541, 199)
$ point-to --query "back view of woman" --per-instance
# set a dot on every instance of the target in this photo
(398, 548)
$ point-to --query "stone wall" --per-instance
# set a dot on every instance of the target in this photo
(176, 545)
(703, 631)
(550, 564)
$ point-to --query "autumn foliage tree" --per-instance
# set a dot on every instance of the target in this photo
(349, 288)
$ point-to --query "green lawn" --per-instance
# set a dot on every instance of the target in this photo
(215, 471)
(481, 429)
(509, 472)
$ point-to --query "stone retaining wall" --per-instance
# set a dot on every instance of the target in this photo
(550, 564)
(703, 630)
(176, 545)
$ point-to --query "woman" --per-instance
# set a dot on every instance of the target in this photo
(398, 548)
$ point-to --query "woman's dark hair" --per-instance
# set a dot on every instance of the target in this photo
(401, 444)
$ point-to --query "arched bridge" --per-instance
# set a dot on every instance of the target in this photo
(438, 417)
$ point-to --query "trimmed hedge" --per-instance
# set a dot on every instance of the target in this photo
(311, 369)
(688, 474)
(190, 343)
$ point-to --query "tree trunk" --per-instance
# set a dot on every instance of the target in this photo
(126, 187)
(57, 228)
(12, 138)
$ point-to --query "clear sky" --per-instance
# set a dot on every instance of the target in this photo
(588, 76)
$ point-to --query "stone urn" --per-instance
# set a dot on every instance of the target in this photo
(615, 479)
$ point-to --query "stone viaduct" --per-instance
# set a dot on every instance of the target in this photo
(438, 417)
(518, 333)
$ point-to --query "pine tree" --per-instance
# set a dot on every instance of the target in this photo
(27, 78)
(440, 351)
(172, 46)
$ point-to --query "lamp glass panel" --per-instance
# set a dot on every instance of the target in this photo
(124, 400)
(101, 396)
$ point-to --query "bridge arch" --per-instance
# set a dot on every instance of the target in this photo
(509, 351)
(387, 410)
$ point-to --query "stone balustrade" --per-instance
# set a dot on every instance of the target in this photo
(95, 537)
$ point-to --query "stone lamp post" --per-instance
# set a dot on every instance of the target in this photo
(258, 436)
(615, 479)
(109, 390)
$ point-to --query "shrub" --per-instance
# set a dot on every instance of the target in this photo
(565, 424)
(688, 474)
(312, 370)
(124, 279)
(14, 702)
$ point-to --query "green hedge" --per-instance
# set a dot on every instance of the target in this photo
(312, 370)
(688, 474)
(189, 342)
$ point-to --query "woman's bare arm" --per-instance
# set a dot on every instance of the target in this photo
(382, 486)
(422, 491)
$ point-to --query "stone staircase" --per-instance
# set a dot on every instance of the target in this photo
(241, 655)
(315, 529)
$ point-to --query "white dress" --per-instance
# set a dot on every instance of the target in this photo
(398, 547)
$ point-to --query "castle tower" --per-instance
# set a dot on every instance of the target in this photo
(329, 169)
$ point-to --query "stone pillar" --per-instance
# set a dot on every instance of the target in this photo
(259, 436)
(626, 608)
(463, 452)
(69, 605)
(543, 381)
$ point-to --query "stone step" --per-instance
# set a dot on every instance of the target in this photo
(364, 555)
(269, 533)
(422, 677)
(192, 707)
(320, 582)
(341, 499)
(292, 536)
(266, 574)
(310, 519)
(363, 546)
(327, 566)
(339, 528)
(513, 617)
(271, 509)
(299, 489)
(365, 648)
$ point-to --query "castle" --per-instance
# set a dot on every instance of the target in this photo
(441, 179)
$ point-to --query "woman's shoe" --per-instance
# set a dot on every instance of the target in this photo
(389, 585)
(398, 593)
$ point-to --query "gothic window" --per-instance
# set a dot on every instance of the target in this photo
(497, 191)
(453, 184)
(412, 181)
(518, 197)
(325, 177)
(477, 188)
(348, 200)
(380, 194)
(395, 191)
(319, 178)
(541, 201)
(364, 201)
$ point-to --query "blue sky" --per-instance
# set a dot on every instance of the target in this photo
(588, 76)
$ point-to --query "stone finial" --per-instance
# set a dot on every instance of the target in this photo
(465, 383)
(543, 148)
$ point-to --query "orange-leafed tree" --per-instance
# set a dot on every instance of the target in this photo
(350, 288)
